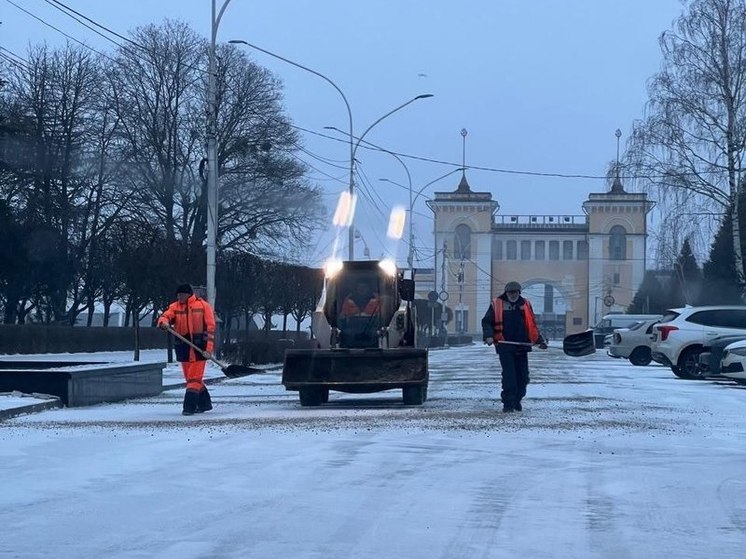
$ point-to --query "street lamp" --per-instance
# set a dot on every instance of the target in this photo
(212, 154)
(349, 133)
(412, 200)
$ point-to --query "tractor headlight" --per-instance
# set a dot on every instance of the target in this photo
(332, 267)
(388, 266)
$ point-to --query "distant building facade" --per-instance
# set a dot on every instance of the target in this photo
(573, 268)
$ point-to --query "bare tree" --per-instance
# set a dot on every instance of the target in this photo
(693, 138)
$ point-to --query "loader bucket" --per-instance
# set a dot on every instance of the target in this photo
(355, 370)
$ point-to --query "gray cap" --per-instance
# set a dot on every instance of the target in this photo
(512, 286)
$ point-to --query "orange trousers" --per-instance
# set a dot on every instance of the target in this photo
(194, 371)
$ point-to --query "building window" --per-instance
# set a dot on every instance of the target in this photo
(462, 242)
(618, 243)
(539, 250)
(525, 250)
(462, 321)
(616, 278)
(511, 249)
(577, 321)
(566, 250)
(497, 250)
(553, 250)
(582, 250)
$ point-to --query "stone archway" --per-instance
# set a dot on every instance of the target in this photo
(553, 305)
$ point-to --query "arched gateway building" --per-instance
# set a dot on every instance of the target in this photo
(573, 268)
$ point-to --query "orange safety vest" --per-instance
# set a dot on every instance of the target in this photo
(194, 320)
(350, 308)
(528, 315)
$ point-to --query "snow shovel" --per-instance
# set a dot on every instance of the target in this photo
(231, 371)
(579, 345)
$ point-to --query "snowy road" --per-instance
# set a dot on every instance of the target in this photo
(607, 460)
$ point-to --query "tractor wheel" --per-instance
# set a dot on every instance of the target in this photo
(640, 357)
(414, 395)
(313, 395)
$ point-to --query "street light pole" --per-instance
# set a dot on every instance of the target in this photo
(412, 200)
(349, 117)
(212, 154)
(350, 135)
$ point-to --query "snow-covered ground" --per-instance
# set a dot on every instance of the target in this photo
(607, 460)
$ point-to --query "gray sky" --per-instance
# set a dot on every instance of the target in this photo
(540, 86)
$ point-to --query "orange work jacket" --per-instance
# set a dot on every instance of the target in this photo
(195, 320)
(350, 307)
(529, 319)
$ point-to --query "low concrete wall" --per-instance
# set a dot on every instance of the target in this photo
(83, 384)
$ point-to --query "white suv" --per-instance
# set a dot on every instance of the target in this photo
(680, 335)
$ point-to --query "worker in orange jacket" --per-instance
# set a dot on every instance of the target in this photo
(362, 302)
(510, 324)
(193, 318)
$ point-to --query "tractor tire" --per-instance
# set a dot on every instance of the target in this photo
(414, 395)
(313, 395)
(640, 356)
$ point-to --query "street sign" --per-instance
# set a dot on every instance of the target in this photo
(432, 296)
(443, 296)
(609, 300)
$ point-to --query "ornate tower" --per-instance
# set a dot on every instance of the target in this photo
(617, 245)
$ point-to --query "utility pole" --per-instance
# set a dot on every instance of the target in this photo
(212, 154)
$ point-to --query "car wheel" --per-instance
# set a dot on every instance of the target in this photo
(640, 357)
(678, 372)
(689, 363)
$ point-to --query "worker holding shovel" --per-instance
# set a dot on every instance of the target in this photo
(510, 325)
(193, 319)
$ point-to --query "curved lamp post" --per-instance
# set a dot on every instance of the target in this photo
(349, 133)
(212, 153)
(412, 200)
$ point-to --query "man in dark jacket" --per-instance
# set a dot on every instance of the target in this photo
(510, 325)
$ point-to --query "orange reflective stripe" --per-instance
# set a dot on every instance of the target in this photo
(497, 306)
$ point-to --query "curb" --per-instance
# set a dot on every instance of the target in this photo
(52, 403)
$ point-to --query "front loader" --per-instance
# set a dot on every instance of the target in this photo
(361, 348)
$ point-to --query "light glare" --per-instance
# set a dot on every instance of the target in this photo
(396, 223)
(388, 266)
(332, 267)
(345, 209)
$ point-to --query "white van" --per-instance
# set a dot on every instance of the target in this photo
(609, 322)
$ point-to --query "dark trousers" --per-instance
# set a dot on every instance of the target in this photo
(514, 363)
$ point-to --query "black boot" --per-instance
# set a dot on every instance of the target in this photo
(191, 397)
(204, 403)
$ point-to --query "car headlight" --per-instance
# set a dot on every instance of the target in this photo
(740, 351)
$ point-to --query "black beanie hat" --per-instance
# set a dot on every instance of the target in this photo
(184, 288)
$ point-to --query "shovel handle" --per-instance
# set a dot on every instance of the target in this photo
(183, 339)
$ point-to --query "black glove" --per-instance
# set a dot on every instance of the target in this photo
(542, 343)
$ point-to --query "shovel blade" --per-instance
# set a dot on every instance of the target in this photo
(579, 345)
(236, 371)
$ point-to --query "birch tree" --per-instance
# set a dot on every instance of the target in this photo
(692, 138)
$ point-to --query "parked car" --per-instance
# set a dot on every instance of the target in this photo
(712, 354)
(682, 333)
(634, 343)
(610, 322)
(733, 364)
